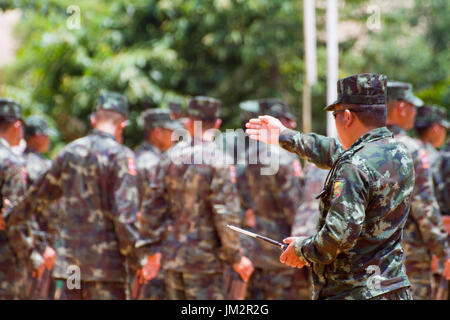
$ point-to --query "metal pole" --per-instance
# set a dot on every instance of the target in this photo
(309, 29)
(332, 61)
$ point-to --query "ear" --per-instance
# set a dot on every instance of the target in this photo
(401, 107)
(93, 121)
(218, 123)
(348, 119)
(17, 124)
(187, 123)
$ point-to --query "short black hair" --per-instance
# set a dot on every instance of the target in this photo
(422, 129)
(371, 115)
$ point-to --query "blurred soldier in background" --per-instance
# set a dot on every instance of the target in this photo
(37, 135)
(15, 249)
(423, 232)
(431, 125)
(158, 128)
(306, 220)
(443, 187)
(95, 177)
(193, 200)
(270, 201)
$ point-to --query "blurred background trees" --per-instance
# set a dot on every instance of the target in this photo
(234, 50)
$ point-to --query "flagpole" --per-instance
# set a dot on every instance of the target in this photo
(332, 61)
(309, 33)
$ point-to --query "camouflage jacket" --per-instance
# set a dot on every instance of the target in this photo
(147, 159)
(16, 246)
(363, 208)
(189, 206)
(95, 178)
(307, 214)
(273, 198)
(443, 183)
(424, 232)
(435, 158)
(36, 165)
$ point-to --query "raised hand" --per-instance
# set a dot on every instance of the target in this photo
(265, 128)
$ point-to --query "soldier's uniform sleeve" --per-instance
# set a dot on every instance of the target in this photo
(343, 224)
(125, 206)
(425, 210)
(443, 183)
(225, 205)
(37, 199)
(154, 210)
(320, 150)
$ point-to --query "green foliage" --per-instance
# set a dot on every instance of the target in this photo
(234, 50)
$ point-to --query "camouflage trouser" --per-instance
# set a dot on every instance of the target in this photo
(194, 286)
(95, 290)
(152, 290)
(13, 280)
(421, 278)
(40, 289)
(271, 285)
(399, 294)
(302, 284)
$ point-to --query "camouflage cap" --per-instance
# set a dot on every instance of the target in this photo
(361, 89)
(176, 110)
(249, 109)
(154, 118)
(113, 101)
(10, 109)
(430, 114)
(276, 108)
(402, 91)
(205, 108)
(37, 125)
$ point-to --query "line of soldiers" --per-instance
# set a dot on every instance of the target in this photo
(151, 224)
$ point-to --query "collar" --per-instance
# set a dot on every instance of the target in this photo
(150, 147)
(102, 134)
(372, 135)
(5, 143)
(396, 130)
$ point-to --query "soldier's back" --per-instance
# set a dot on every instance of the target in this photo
(89, 176)
(195, 201)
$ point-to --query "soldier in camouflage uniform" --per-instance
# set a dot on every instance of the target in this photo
(158, 129)
(37, 135)
(95, 178)
(270, 201)
(443, 187)
(431, 125)
(357, 252)
(424, 233)
(305, 221)
(14, 248)
(193, 199)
